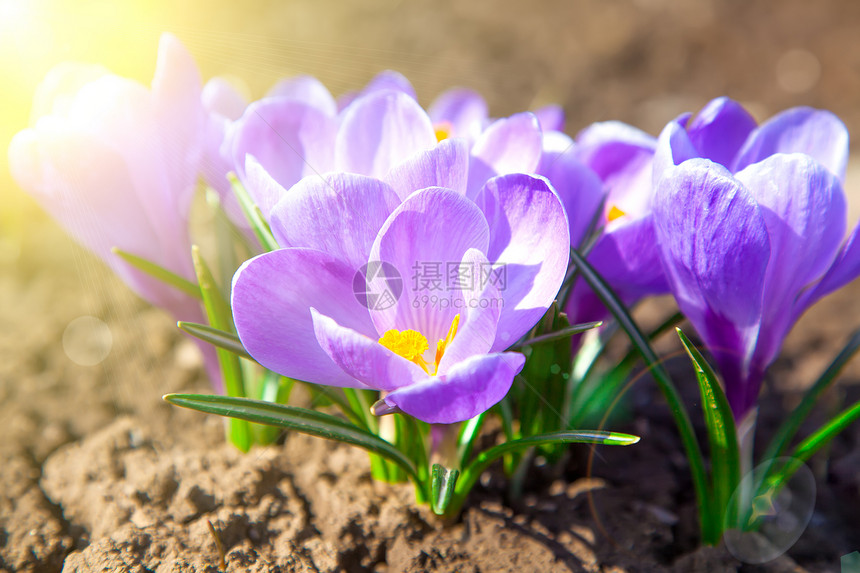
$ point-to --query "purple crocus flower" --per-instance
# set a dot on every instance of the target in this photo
(609, 164)
(380, 134)
(116, 165)
(747, 252)
(437, 355)
(724, 132)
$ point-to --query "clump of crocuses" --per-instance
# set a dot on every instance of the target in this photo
(412, 268)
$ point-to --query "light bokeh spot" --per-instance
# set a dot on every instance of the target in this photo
(87, 341)
(797, 71)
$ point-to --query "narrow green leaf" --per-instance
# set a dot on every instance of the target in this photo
(469, 432)
(220, 338)
(339, 398)
(664, 382)
(359, 402)
(482, 461)
(788, 429)
(558, 335)
(160, 273)
(299, 419)
(220, 317)
(722, 433)
(808, 447)
(253, 214)
(442, 484)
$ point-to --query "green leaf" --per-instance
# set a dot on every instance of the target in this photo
(788, 429)
(299, 419)
(722, 433)
(469, 432)
(220, 338)
(253, 214)
(442, 484)
(819, 439)
(220, 317)
(160, 273)
(708, 522)
(559, 334)
(482, 461)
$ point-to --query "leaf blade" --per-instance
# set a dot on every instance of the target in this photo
(291, 417)
(160, 273)
(722, 433)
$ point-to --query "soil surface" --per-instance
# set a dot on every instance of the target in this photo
(98, 474)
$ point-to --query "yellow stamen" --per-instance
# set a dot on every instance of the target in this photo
(411, 345)
(614, 213)
(443, 130)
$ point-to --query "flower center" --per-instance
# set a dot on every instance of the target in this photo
(614, 213)
(411, 345)
(443, 130)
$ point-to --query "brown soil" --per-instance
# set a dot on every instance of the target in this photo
(98, 474)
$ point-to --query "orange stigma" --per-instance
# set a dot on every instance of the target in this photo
(614, 213)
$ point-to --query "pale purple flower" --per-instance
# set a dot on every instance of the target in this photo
(748, 248)
(116, 165)
(297, 313)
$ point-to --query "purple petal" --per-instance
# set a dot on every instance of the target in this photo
(621, 156)
(289, 139)
(463, 108)
(307, 90)
(338, 213)
(803, 207)
(87, 187)
(363, 358)
(845, 269)
(381, 130)
(479, 315)
(673, 148)
(466, 390)
(819, 134)
(529, 244)
(222, 98)
(715, 253)
(430, 231)
(180, 117)
(389, 80)
(627, 255)
(720, 129)
(508, 145)
(271, 300)
(580, 189)
(550, 117)
(262, 187)
(223, 104)
(446, 165)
